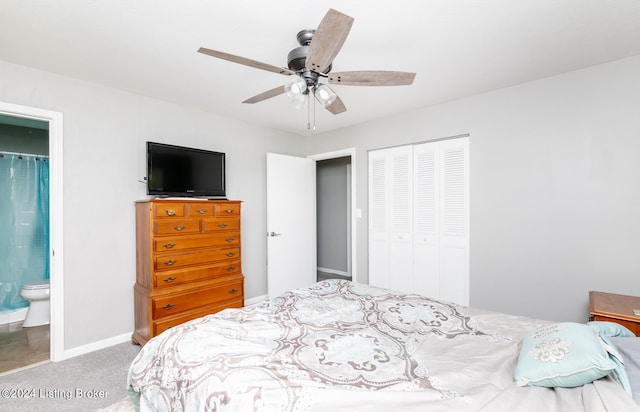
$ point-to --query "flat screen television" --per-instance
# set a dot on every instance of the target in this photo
(184, 172)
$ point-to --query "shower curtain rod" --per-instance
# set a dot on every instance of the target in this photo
(2, 152)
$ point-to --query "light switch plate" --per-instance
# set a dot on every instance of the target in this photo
(637, 312)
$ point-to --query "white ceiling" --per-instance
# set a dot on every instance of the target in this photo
(457, 48)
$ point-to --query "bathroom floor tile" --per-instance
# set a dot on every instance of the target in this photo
(20, 347)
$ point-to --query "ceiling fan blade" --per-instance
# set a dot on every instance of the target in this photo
(337, 106)
(328, 40)
(245, 61)
(265, 95)
(372, 78)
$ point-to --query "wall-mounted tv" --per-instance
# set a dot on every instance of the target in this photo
(184, 171)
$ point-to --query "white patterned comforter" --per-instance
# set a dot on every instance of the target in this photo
(344, 346)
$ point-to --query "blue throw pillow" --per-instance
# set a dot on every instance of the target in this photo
(611, 329)
(562, 355)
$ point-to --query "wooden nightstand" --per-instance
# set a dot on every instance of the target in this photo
(609, 307)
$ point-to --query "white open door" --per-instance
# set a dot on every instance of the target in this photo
(291, 223)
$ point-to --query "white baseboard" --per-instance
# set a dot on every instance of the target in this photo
(92, 347)
(333, 272)
(257, 299)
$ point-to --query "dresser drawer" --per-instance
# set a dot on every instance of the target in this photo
(177, 243)
(201, 209)
(217, 224)
(192, 299)
(226, 209)
(174, 226)
(179, 277)
(163, 324)
(169, 209)
(198, 257)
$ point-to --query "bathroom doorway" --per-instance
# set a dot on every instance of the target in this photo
(24, 245)
(25, 116)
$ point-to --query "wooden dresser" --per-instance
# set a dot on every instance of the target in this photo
(187, 262)
(610, 307)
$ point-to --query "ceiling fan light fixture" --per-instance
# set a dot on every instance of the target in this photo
(299, 101)
(296, 87)
(325, 95)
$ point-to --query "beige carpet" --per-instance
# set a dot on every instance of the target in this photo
(55, 384)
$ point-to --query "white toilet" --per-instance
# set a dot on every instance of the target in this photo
(38, 296)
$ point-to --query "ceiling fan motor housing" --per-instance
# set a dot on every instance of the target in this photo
(297, 57)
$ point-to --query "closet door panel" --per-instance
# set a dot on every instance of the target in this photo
(379, 219)
(454, 220)
(453, 274)
(401, 218)
(426, 209)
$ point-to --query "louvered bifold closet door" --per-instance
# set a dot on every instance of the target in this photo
(401, 233)
(379, 217)
(454, 221)
(390, 218)
(426, 211)
(419, 219)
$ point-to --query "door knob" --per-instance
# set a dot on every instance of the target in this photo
(272, 234)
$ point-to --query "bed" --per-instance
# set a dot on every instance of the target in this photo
(343, 346)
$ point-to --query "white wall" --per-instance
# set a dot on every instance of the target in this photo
(555, 186)
(105, 131)
(555, 191)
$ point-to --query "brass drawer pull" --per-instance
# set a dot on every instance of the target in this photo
(170, 212)
(231, 268)
(232, 291)
(202, 211)
(230, 254)
(222, 225)
(229, 210)
(169, 279)
(180, 227)
(168, 306)
(170, 262)
(230, 239)
(169, 245)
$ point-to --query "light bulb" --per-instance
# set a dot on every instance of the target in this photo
(296, 87)
(325, 95)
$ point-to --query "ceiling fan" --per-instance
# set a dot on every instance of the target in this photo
(312, 61)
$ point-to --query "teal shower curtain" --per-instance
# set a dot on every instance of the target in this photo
(24, 225)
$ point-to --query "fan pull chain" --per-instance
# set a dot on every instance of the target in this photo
(308, 112)
(309, 100)
(314, 110)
